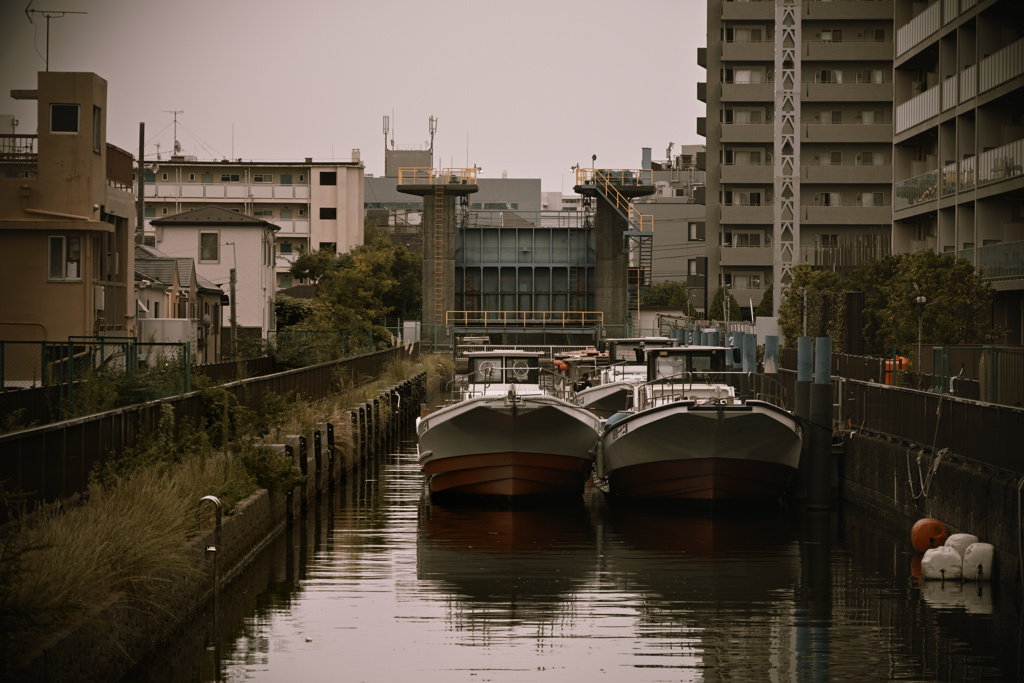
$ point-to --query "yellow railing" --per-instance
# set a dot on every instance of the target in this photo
(606, 180)
(433, 176)
(525, 318)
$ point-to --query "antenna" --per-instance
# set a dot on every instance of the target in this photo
(49, 14)
(177, 145)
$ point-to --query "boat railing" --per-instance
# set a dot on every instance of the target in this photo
(491, 381)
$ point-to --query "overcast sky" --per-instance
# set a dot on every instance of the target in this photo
(529, 87)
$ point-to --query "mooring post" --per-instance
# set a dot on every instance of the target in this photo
(802, 409)
(771, 368)
(213, 550)
(819, 493)
(749, 363)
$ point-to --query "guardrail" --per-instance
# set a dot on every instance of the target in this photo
(53, 462)
(433, 176)
(524, 318)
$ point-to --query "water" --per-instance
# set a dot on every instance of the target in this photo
(379, 584)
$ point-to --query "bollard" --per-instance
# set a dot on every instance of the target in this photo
(317, 460)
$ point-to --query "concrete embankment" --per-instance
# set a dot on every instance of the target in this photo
(895, 478)
(105, 644)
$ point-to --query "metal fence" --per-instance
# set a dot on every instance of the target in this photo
(53, 462)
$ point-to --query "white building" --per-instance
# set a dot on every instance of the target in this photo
(219, 241)
(317, 205)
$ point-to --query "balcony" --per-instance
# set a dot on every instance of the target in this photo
(291, 227)
(846, 214)
(260, 191)
(702, 57)
(846, 173)
(702, 91)
(1000, 67)
(918, 110)
(845, 257)
(748, 92)
(702, 126)
(746, 215)
(847, 92)
(1001, 163)
(915, 31)
(847, 50)
(747, 173)
(746, 256)
(748, 132)
(19, 156)
(749, 11)
(986, 169)
(851, 9)
(920, 189)
(857, 132)
(749, 51)
(998, 261)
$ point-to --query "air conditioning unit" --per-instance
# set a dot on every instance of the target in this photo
(98, 297)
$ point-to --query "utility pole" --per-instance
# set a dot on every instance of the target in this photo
(140, 230)
(234, 320)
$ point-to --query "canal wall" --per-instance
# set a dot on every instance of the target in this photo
(109, 640)
(886, 475)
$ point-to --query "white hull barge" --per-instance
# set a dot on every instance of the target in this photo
(690, 438)
(507, 437)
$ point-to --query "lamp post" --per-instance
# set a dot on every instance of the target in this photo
(921, 301)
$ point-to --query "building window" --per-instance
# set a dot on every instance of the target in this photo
(149, 240)
(286, 179)
(263, 178)
(163, 210)
(286, 213)
(691, 266)
(286, 247)
(827, 199)
(328, 177)
(328, 213)
(332, 247)
(209, 246)
(65, 258)
(833, 36)
(150, 212)
(230, 178)
(828, 76)
(869, 76)
(163, 176)
(206, 178)
(879, 35)
(97, 129)
(302, 178)
(836, 117)
(866, 158)
(302, 212)
(286, 282)
(263, 213)
(743, 198)
(63, 118)
(191, 177)
(829, 241)
(835, 158)
(696, 232)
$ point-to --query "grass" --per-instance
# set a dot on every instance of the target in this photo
(130, 534)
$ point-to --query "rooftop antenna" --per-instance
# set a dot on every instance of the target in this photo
(387, 124)
(432, 126)
(175, 112)
(49, 14)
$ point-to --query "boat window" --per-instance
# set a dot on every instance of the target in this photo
(700, 363)
(520, 371)
(669, 366)
(487, 370)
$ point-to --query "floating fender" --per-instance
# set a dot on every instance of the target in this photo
(960, 542)
(928, 533)
(915, 567)
(942, 564)
(978, 559)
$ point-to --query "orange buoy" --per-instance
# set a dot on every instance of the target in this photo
(927, 533)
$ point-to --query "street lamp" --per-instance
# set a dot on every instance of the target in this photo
(921, 301)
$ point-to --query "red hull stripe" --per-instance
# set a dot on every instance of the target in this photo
(508, 474)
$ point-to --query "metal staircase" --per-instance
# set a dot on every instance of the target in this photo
(639, 239)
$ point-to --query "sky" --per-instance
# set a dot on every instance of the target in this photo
(526, 87)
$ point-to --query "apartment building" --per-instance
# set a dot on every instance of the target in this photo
(958, 150)
(317, 205)
(799, 138)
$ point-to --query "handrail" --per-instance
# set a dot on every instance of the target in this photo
(603, 180)
(524, 318)
(431, 176)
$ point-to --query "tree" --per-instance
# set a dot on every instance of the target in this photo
(717, 307)
(313, 265)
(767, 305)
(669, 294)
(291, 311)
(826, 306)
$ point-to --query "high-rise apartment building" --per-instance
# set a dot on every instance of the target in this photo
(799, 138)
(958, 151)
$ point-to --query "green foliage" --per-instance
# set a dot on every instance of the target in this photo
(291, 311)
(271, 470)
(717, 306)
(957, 310)
(313, 265)
(669, 294)
(766, 308)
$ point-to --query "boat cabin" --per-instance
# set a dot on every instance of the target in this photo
(695, 360)
(504, 367)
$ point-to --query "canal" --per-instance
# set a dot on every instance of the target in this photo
(378, 584)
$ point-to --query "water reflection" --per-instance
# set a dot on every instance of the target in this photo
(378, 583)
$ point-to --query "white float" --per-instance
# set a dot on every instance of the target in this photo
(978, 559)
(961, 542)
(942, 564)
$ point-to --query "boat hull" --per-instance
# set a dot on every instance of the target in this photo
(702, 453)
(537, 446)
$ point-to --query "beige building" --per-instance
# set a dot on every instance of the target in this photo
(799, 138)
(67, 217)
(318, 205)
(959, 140)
